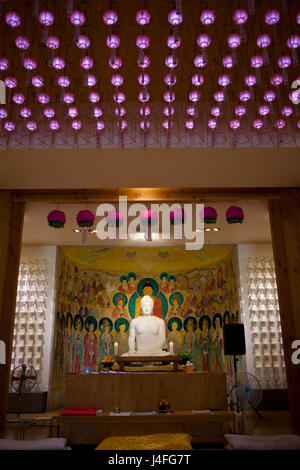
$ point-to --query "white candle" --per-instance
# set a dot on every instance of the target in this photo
(116, 348)
(171, 347)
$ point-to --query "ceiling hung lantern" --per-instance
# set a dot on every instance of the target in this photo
(234, 215)
(115, 220)
(56, 219)
(85, 220)
(208, 215)
(148, 219)
(143, 18)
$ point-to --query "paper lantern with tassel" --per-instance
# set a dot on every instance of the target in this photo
(148, 219)
(115, 219)
(208, 215)
(56, 219)
(234, 215)
(85, 220)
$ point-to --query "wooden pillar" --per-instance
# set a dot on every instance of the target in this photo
(11, 226)
(285, 227)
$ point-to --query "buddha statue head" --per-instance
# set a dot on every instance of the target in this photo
(147, 305)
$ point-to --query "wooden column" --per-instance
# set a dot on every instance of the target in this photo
(285, 227)
(11, 226)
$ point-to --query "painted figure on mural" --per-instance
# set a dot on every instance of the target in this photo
(228, 359)
(176, 301)
(106, 342)
(123, 287)
(217, 341)
(191, 340)
(175, 335)
(83, 309)
(122, 326)
(220, 280)
(205, 343)
(85, 284)
(184, 284)
(132, 283)
(57, 347)
(77, 345)
(172, 283)
(68, 349)
(104, 303)
(157, 308)
(90, 344)
(120, 301)
(164, 285)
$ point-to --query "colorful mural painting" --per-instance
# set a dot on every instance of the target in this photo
(99, 293)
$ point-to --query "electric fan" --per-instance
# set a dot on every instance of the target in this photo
(23, 379)
(245, 393)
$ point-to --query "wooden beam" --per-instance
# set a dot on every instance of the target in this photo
(8, 299)
(285, 229)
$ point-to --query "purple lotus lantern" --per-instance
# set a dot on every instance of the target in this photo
(25, 112)
(115, 63)
(37, 81)
(122, 125)
(22, 43)
(85, 220)
(18, 98)
(143, 79)
(203, 41)
(54, 125)
(3, 113)
(173, 41)
(189, 124)
(145, 125)
(244, 95)
(284, 62)
(73, 112)
(287, 111)
(43, 98)
(212, 123)
(144, 96)
(208, 215)
(77, 18)
(170, 79)
(175, 18)
(10, 82)
(56, 219)
(86, 63)
(119, 97)
(224, 80)
(94, 97)
(12, 19)
(83, 42)
(191, 111)
(69, 98)
(113, 41)
(49, 113)
(169, 96)
(272, 17)
(280, 124)
(269, 96)
(145, 111)
(46, 19)
(240, 110)
(256, 61)
(76, 124)
(143, 62)
(219, 96)
(264, 110)
(207, 17)
(171, 62)
(200, 61)
(240, 17)
(197, 79)
(263, 41)
(194, 96)
(4, 64)
(58, 63)
(31, 126)
(215, 111)
(233, 41)
(110, 17)
(167, 124)
(114, 221)
(298, 18)
(100, 125)
(148, 219)
(257, 123)
(168, 111)
(142, 41)
(143, 17)
(52, 42)
(63, 81)
(9, 126)
(117, 80)
(276, 79)
(234, 124)
(97, 112)
(234, 215)
(250, 80)
(121, 111)
(227, 62)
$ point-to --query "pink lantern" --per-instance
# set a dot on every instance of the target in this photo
(122, 125)
(22, 43)
(199, 61)
(9, 126)
(144, 63)
(3, 64)
(49, 113)
(244, 95)
(145, 125)
(25, 112)
(73, 112)
(263, 41)
(10, 82)
(46, 18)
(58, 63)
(203, 41)
(250, 80)
(143, 17)
(270, 96)
(169, 96)
(191, 111)
(240, 110)
(3, 113)
(37, 81)
(145, 111)
(94, 97)
(272, 17)
(207, 17)
(18, 98)
(171, 62)
(175, 18)
(31, 126)
(240, 16)
(30, 64)
(287, 111)
(234, 40)
(168, 111)
(148, 219)
(234, 215)
(293, 42)
(167, 124)
(86, 63)
(13, 19)
(63, 81)
(173, 41)
(115, 220)
(298, 18)
(117, 80)
(68, 98)
(256, 61)
(43, 98)
(208, 215)
(91, 80)
(83, 42)
(113, 41)
(219, 96)
(110, 17)
(142, 41)
(170, 79)
(115, 63)
(97, 112)
(276, 79)
(189, 124)
(144, 96)
(76, 124)
(224, 80)
(197, 79)
(56, 219)
(144, 79)
(280, 124)
(234, 124)
(284, 62)
(264, 110)
(212, 123)
(77, 18)
(119, 97)
(120, 112)
(215, 111)
(52, 42)
(100, 125)
(85, 220)
(257, 124)
(54, 125)
(227, 62)
(194, 96)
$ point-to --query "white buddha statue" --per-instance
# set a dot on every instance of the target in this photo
(147, 332)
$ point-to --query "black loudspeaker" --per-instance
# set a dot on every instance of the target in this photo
(234, 339)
